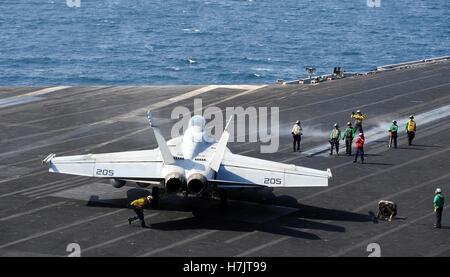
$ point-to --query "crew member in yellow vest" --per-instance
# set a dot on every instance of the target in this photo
(411, 129)
(358, 117)
(138, 207)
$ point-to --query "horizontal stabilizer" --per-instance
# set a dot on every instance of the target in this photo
(138, 165)
(248, 170)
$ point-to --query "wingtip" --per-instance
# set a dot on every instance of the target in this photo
(48, 159)
(149, 118)
(330, 175)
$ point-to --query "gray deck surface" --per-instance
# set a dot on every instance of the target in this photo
(41, 213)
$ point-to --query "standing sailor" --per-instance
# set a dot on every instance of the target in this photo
(335, 136)
(297, 134)
(393, 130)
(358, 117)
(411, 129)
(349, 134)
(438, 202)
(359, 144)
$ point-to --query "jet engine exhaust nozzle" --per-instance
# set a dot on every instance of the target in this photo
(196, 183)
(174, 182)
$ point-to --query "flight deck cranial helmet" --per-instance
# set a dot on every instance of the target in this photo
(438, 190)
(336, 125)
(349, 124)
(411, 117)
(393, 121)
(149, 198)
(358, 111)
(297, 122)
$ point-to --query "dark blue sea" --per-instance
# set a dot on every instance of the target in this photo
(126, 42)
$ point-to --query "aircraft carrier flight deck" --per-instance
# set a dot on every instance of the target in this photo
(42, 213)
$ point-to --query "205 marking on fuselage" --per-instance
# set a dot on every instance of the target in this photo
(273, 181)
(104, 172)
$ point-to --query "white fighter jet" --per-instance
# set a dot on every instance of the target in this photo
(192, 164)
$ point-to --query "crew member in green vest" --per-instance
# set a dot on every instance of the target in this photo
(438, 202)
(393, 130)
(335, 136)
(348, 136)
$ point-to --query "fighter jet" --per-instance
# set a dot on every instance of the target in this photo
(193, 164)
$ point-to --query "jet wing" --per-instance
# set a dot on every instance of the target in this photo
(144, 165)
(240, 171)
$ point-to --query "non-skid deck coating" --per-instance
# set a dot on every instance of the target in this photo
(41, 213)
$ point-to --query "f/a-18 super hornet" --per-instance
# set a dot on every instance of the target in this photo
(192, 164)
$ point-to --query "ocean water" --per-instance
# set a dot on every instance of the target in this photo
(145, 42)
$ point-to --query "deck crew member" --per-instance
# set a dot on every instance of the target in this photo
(411, 129)
(438, 202)
(335, 136)
(359, 144)
(386, 210)
(348, 136)
(138, 207)
(393, 131)
(358, 117)
(297, 134)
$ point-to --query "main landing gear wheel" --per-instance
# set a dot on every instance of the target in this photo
(155, 194)
(224, 199)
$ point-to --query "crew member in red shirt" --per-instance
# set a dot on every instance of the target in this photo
(359, 144)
